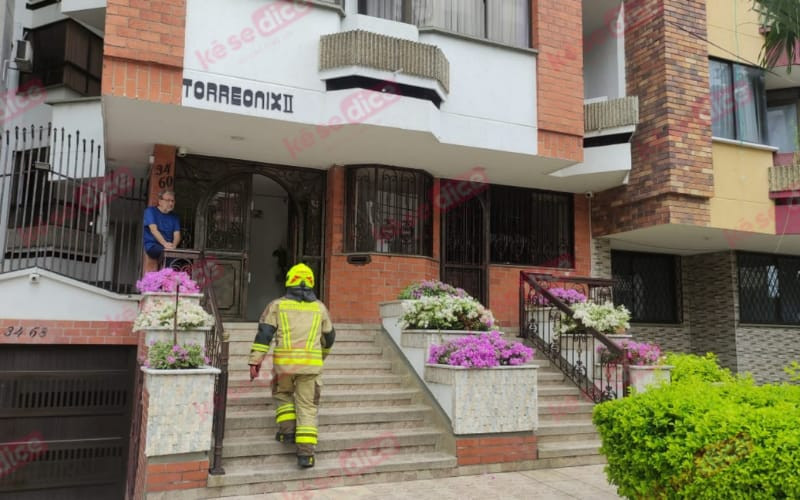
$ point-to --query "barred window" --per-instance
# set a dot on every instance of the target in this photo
(647, 284)
(389, 211)
(769, 288)
(531, 227)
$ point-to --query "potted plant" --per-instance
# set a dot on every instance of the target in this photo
(163, 285)
(180, 388)
(644, 360)
(393, 310)
(159, 321)
(546, 315)
(484, 384)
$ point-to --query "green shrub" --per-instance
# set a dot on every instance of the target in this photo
(431, 288)
(690, 366)
(698, 440)
(793, 371)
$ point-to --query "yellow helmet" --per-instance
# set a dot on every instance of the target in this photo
(298, 274)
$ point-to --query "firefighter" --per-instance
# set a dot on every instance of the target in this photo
(304, 335)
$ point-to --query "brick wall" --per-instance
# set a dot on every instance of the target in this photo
(177, 475)
(70, 332)
(601, 258)
(494, 450)
(557, 35)
(671, 178)
(143, 49)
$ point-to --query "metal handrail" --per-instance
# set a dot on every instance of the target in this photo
(574, 354)
(217, 344)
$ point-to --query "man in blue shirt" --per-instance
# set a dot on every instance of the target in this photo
(162, 230)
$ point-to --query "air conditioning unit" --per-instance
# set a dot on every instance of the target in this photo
(23, 55)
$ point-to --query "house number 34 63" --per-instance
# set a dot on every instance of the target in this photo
(19, 331)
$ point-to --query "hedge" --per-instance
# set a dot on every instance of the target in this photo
(697, 439)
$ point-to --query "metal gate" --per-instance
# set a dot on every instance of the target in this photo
(464, 247)
(65, 417)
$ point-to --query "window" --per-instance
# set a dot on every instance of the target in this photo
(531, 227)
(503, 21)
(738, 102)
(782, 126)
(30, 187)
(769, 288)
(66, 53)
(389, 211)
(647, 286)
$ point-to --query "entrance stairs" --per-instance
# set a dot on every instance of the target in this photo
(374, 424)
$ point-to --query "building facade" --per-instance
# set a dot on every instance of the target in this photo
(385, 142)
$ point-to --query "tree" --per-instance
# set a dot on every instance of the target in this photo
(781, 20)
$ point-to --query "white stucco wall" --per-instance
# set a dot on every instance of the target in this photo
(54, 297)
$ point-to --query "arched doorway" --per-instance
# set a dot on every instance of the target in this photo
(255, 221)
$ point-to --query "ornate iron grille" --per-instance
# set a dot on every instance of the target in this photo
(531, 227)
(769, 289)
(463, 247)
(388, 211)
(647, 284)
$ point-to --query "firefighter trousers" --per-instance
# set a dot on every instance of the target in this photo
(297, 399)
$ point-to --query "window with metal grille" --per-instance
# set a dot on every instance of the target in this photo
(388, 211)
(769, 288)
(531, 227)
(648, 285)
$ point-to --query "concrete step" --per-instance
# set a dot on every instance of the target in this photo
(568, 406)
(330, 397)
(577, 461)
(241, 422)
(282, 476)
(332, 446)
(238, 365)
(565, 432)
(247, 336)
(546, 376)
(559, 390)
(339, 349)
(241, 380)
(569, 449)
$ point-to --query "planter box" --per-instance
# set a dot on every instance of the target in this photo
(416, 344)
(486, 400)
(194, 336)
(642, 377)
(180, 410)
(150, 299)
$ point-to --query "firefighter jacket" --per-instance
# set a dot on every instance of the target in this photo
(302, 331)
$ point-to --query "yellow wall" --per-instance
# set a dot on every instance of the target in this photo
(733, 25)
(741, 189)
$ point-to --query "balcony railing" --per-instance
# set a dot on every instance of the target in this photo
(613, 114)
(590, 359)
(60, 211)
(784, 177)
(502, 21)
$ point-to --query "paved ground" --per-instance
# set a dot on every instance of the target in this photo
(587, 482)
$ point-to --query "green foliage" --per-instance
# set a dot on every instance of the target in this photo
(166, 356)
(700, 368)
(793, 371)
(431, 288)
(701, 440)
(781, 19)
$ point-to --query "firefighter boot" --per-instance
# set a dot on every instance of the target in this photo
(305, 461)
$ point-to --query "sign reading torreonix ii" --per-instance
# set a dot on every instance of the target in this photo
(229, 97)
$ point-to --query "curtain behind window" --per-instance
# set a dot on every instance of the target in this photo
(508, 22)
(386, 9)
(782, 127)
(722, 113)
(749, 95)
(459, 16)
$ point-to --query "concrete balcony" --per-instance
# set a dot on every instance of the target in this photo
(784, 178)
(355, 53)
(611, 117)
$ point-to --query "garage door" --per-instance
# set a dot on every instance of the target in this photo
(65, 418)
